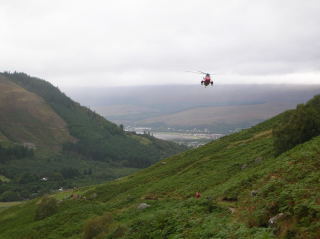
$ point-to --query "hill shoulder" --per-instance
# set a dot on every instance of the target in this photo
(27, 118)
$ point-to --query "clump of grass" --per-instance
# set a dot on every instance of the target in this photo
(97, 225)
(46, 208)
(118, 232)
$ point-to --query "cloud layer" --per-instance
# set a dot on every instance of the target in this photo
(123, 42)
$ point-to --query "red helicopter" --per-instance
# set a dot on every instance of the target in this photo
(206, 80)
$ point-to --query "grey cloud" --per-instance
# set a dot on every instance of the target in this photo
(154, 42)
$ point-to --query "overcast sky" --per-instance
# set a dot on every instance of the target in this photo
(126, 42)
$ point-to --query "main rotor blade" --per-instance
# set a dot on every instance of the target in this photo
(197, 72)
(200, 72)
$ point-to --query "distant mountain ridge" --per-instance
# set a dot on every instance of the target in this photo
(221, 109)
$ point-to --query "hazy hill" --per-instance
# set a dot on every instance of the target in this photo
(97, 138)
(72, 144)
(219, 119)
(248, 190)
(26, 118)
(221, 108)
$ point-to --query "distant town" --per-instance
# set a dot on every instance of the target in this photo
(190, 137)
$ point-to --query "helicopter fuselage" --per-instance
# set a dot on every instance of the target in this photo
(207, 80)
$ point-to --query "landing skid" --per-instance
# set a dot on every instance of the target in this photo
(206, 83)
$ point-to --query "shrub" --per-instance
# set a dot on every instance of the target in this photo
(47, 207)
(119, 232)
(70, 173)
(210, 206)
(33, 234)
(9, 196)
(259, 218)
(298, 126)
(96, 226)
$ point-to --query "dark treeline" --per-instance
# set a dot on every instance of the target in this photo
(13, 152)
(298, 126)
(30, 185)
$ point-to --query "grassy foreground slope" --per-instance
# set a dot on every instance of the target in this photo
(242, 185)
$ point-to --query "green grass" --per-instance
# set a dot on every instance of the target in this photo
(3, 137)
(224, 172)
(142, 140)
(4, 179)
(6, 205)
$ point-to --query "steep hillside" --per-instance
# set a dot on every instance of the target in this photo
(45, 134)
(246, 192)
(27, 118)
(97, 138)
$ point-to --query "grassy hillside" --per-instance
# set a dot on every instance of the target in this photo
(246, 192)
(27, 118)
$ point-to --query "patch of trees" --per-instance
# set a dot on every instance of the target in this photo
(10, 196)
(126, 150)
(27, 178)
(14, 152)
(30, 185)
(46, 208)
(97, 227)
(70, 173)
(298, 126)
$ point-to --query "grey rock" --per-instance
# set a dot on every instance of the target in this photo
(274, 220)
(29, 145)
(232, 210)
(143, 206)
(244, 166)
(93, 195)
(254, 193)
(258, 159)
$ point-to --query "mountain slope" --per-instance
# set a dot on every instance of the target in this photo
(246, 192)
(97, 138)
(26, 117)
(71, 145)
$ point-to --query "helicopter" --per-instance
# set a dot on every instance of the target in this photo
(206, 80)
